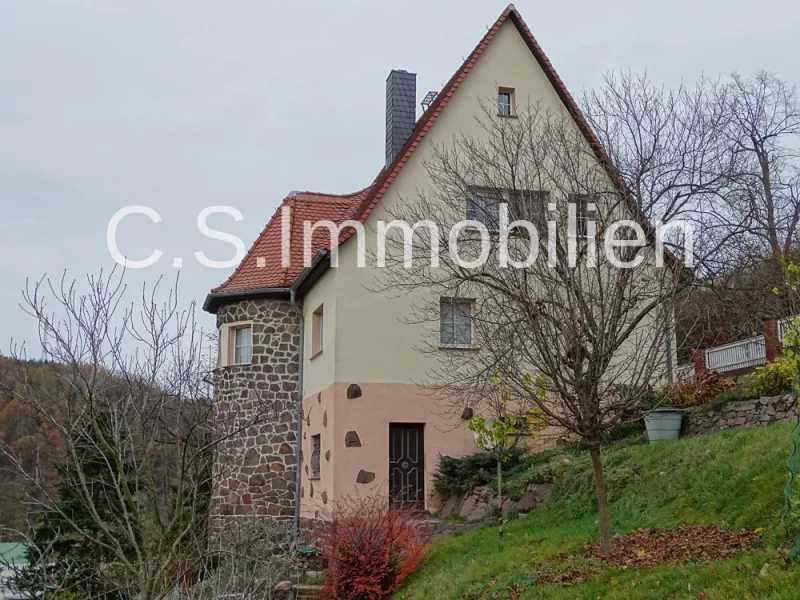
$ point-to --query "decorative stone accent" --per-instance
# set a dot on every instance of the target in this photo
(467, 414)
(749, 413)
(324, 497)
(327, 454)
(474, 505)
(325, 419)
(258, 464)
(353, 391)
(365, 477)
(319, 397)
(351, 440)
(310, 490)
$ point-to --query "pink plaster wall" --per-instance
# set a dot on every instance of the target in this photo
(318, 419)
(370, 415)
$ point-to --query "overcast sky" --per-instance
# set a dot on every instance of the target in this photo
(183, 104)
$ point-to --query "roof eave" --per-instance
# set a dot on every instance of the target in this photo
(304, 281)
(311, 274)
(216, 299)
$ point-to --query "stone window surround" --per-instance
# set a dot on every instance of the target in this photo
(316, 449)
(227, 339)
(506, 108)
(458, 300)
(317, 333)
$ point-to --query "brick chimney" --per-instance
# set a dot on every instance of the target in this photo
(401, 110)
(699, 360)
(771, 339)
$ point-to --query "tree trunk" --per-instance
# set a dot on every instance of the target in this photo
(602, 500)
(500, 493)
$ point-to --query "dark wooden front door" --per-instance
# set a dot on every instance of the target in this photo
(407, 465)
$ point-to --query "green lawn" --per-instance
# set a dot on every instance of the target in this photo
(733, 478)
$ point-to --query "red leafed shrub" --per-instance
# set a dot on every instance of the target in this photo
(370, 550)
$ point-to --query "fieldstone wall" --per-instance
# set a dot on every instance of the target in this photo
(749, 413)
(256, 468)
(474, 505)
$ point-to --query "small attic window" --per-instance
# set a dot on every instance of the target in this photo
(505, 102)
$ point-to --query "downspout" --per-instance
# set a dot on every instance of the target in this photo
(668, 344)
(299, 449)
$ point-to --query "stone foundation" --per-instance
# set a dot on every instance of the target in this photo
(748, 413)
(256, 469)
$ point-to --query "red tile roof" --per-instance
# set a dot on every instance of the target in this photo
(267, 249)
(358, 206)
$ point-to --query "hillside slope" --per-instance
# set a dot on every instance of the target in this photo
(733, 478)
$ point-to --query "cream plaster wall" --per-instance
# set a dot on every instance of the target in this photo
(320, 370)
(368, 339)
(368, 320)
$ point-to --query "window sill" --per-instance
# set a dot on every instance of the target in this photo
(315, 355)
(314, 478)
(247, 364)
(507, 116)
(458, 347)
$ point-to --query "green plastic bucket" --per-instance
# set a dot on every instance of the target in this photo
(664, 424)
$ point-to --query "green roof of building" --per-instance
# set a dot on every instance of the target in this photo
(13, 552)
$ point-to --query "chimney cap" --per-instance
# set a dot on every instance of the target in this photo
(403, 71)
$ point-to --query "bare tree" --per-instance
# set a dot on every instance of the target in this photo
(763, 131)
(671, 150)
(136, 437)
(722, 154)
(249, 561)
(574, 336)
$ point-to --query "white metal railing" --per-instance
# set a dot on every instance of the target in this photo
(784, 325)
(737, 355)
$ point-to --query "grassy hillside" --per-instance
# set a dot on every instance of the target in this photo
(733, 478)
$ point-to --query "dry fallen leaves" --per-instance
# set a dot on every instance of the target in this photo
(649, 547)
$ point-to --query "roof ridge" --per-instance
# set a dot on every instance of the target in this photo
(367, 198)
(388, 174)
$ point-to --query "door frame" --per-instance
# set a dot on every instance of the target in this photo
(420, 504)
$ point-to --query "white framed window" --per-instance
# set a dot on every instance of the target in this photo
(316, 448)
(484, 205)
(243, 345)
(236, 344)
(505, 102)
(455, 323)
(317, 327)
(583, 216)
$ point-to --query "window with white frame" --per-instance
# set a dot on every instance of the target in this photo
(483, 205)
(243, 345)
(317, 329)
(505, 102)
(455, 322)
(236, 344)
(528, 205)
(583, 215)
(316, 448)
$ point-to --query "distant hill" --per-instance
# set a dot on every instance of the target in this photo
(25, 434)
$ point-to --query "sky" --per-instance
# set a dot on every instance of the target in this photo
(187, 104)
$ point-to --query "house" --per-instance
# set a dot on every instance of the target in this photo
(740, 358)
(12, 558)
(316, 334)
